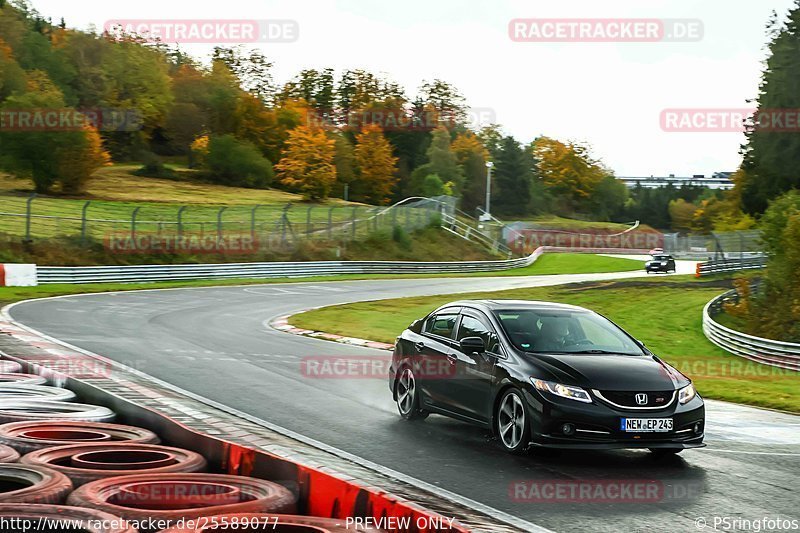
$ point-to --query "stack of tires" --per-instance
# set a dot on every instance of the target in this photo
(65, 466)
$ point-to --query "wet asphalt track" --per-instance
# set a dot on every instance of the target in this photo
(215, 342)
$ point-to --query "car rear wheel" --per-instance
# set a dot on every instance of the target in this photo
(513, 423)
(408, 396)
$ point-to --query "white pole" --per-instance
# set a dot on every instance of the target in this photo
(489, 166)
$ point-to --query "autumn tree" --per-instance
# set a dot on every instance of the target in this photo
(65, 157)
(375, 165)
(12, 77)
(471, 156)
(345, 161)
(77, 162)
(308, 165)
(447, 101)
(568, 170)
(442, 163)
(681, 213)
(774, 308)
(253, 70)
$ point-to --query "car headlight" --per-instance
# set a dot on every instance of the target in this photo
(565, 391)
(686, 394)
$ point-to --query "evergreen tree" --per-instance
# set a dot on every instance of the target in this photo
(771, 157)
(513, 173)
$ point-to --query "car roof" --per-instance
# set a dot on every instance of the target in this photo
(495, 305)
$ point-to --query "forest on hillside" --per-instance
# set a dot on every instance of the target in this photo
(321, 133)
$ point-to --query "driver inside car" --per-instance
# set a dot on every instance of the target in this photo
(553, 334)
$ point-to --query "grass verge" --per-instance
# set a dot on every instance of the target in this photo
(665, 314)
(547, 264)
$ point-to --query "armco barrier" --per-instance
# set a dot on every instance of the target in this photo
(769, 352)
(150, 273)
(719, 266)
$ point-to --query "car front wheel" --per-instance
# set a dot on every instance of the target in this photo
(408, 396)
(513, 423)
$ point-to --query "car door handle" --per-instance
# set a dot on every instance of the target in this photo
(419, 346)
(453, 358)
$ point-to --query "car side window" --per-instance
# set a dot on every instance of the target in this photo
(473, 327)
(441, 324)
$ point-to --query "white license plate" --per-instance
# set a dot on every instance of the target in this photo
(645, 425)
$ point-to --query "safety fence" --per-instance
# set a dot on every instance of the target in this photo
(719, 266)
(716, 245)
(272, 225)
(767, 351)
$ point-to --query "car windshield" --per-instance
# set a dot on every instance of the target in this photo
(662, 258)
(565, 331)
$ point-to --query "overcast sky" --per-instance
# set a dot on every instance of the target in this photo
(609, 95)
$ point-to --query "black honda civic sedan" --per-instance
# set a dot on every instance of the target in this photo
(541, 374)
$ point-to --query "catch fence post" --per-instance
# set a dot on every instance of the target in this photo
(219, 223)
(180, 221)
(28, 210)
(253, 222)
(133, 223)
(83, 221)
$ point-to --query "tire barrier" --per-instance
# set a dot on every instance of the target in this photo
(84, 463)
(154, 500)
(9, 367)
(27, 437)
(93, 521)
(182, 496)
(32, 484)
(26, 379)
(26, 410)
(8, 454)
(23, 391)
(277, 523)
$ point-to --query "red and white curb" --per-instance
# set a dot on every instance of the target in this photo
(282, 324)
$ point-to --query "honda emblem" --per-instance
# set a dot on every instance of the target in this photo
(641, 399)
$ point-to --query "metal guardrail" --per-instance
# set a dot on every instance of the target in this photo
(719, 266)
(767, 351)
(150, 273)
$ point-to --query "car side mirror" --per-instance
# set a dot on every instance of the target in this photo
(471, 345)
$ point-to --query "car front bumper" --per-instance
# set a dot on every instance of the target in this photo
(597, 425)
